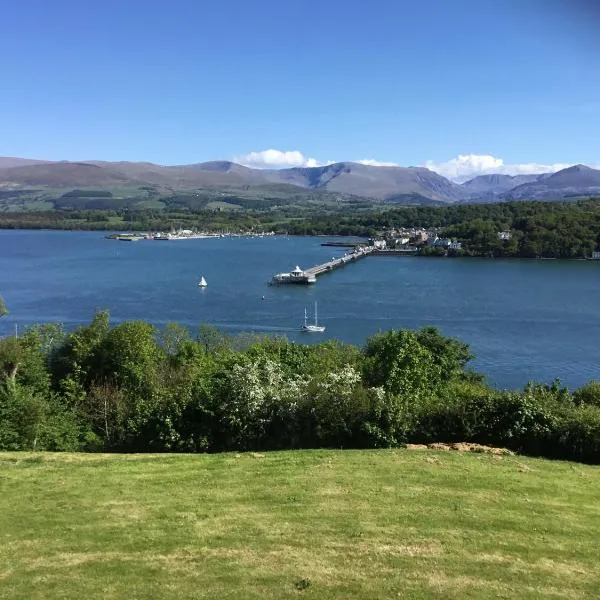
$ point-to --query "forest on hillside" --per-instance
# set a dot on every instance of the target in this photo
(538, 229)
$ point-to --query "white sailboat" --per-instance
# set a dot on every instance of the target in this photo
(202, 282)
(315, 328)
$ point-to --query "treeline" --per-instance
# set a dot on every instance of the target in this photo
(132, 220)
(537, 229)
(87, 194)
(131, 387)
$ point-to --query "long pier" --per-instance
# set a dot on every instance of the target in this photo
(336, 263)
(309, 276)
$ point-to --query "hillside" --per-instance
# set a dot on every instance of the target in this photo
(48, 181)
(309, 524)
(378, 183)
(6, 162)
(494, 184)
(575, 181)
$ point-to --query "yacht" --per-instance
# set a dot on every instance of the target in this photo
(314, 328)
(202, 282)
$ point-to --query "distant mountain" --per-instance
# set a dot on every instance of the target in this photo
(572, 182)
(7, 162)
(496, 183)
(382, 183)
(394, 185)
(62, 174)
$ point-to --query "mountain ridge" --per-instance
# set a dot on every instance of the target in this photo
(389, 184)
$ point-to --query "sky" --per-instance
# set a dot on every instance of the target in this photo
(463, 87)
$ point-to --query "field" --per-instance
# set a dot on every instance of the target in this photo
(309, 524)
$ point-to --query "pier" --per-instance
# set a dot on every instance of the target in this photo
(309, 276)
(336, 263)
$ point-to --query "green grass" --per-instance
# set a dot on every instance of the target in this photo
(154, 204)
(223, 205)
(309, 524)
(25, 204)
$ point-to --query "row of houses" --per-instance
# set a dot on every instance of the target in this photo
(446, 243)
(407, 242)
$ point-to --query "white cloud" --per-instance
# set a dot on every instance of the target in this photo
(460, 168)
(371, 162)
(467, 166)
(276, 159)
(281, 159)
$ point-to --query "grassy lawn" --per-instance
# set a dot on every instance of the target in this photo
(223, 205)
(309, 524)
(154, 204)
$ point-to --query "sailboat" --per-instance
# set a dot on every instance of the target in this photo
(202, 282)
(316, 328)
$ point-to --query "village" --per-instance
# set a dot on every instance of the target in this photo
(415, 240)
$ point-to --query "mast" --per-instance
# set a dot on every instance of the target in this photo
(315, 312)
(305, 323)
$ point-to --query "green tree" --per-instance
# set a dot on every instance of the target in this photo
(399, 363)
(73, 362)
(3, 309)
(11, 359)
(449, 354)
(588, 395)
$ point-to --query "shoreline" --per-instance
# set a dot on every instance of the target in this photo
(137, 233)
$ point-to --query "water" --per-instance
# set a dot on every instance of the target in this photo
(524, 319)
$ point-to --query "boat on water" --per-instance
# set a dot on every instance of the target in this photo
(296, 276)
(202, 282)
(312, 328)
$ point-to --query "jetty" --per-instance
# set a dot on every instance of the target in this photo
(309, 276)
(341, 244)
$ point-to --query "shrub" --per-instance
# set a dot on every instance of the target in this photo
(576, 435)
(588, 395)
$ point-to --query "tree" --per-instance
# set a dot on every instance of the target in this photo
(3, 309)
(399, 363)
(11, 358)
(449, 354)
(589, 394)
(74, 358)
(129, 355)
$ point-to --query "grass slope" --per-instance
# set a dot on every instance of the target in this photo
(310, 524)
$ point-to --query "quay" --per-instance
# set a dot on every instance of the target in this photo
(341, 244)
(412, 251)
(309, 276)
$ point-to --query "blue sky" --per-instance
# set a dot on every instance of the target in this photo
(506, 85)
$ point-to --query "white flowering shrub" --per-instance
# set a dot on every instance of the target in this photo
(256, 393)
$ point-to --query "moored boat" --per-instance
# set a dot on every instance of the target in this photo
(312, 328)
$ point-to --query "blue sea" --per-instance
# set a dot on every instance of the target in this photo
(524, 319)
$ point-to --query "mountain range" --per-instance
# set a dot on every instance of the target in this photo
(403, 185)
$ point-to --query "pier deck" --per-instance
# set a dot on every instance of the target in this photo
(309, 276)
(336, 263)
